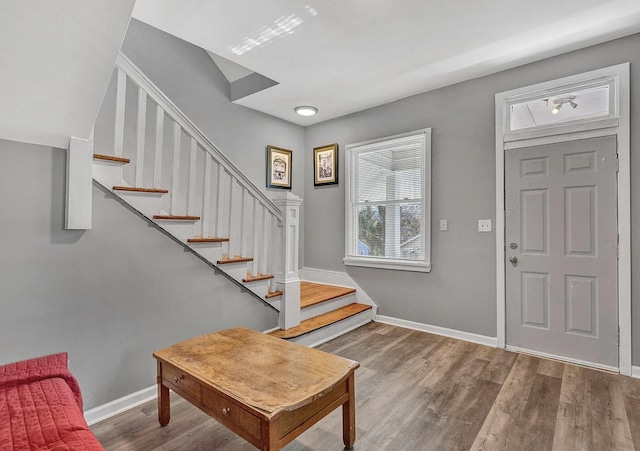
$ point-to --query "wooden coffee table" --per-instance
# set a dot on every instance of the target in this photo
(265, 389)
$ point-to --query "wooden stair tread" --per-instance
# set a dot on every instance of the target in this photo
(235, 260)
(176, 218)
(318, 322)
(316, 293)
(199, 239)
(97, 156)
(273, 294)
(140, 190)
(257, 278)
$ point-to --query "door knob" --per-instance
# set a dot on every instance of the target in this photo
(513, 259)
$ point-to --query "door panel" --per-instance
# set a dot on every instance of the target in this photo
(535, 221)
(535, 299)
(561, 234)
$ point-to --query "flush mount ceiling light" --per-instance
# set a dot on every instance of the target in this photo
(305, 110)
(559, 101)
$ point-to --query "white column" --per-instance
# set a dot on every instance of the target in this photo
(79, 184)
(287, 278)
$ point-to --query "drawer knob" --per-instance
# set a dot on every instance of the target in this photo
(177, 379)
(226, 411)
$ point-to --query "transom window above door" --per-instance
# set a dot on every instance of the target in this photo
(589, 104)
(388, 209)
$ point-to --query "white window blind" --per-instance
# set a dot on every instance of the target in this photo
(387, 202)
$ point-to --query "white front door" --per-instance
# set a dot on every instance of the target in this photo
(561, 250)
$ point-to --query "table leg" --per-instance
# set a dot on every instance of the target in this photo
(349, 414)
(270, 435)
(164, 405)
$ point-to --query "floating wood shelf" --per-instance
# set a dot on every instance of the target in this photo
(97, 156)
(140, 190)
(199, 239)
(318, 322)
(257, 278)
(316, 293)
(176, 218)
(273, 294)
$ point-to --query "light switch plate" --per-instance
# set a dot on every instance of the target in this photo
(444, 225)
(484, 225)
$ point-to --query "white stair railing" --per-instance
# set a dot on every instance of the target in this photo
(200, 179)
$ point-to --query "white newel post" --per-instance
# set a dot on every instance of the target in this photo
(287, 277)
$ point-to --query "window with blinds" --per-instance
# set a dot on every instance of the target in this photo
(388, 217)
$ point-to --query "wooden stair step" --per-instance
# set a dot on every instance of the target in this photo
(176, 218)
(140, 190)
(256, 278)
(228, 261)
(316, 293)
(273, 294)
(199, 239)
(318, 322)
(97, 156)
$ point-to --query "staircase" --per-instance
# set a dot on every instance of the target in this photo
(175, 177)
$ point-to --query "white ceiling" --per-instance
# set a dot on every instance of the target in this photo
(56, 59)
(343, 56)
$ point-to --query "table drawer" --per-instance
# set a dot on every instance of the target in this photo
(232, 415)
(180, 381)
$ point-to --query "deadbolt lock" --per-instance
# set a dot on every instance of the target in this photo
(513, 246)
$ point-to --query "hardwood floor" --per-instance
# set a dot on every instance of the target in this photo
(417, 391)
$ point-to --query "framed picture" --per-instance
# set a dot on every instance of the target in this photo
(278, 168)
(325, 165)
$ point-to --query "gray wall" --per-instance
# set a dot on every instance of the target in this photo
(109, 296)
(459, 292)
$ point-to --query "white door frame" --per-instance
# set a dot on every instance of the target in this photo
(622, 131)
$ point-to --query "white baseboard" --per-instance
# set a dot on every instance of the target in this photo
(113, 408)
(337, 278)
(437, 330)
(635, 372)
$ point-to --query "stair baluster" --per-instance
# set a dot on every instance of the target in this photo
(230, 231)
(206, 196)
(121, 99)
(255, 238)
(141, 135)
(175, 177)
(191, 193)
(219, 202)
(157, 162)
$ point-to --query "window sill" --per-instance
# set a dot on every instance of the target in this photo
(385, 263)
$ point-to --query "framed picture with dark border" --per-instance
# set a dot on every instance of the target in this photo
(278, 168)
(325, 165)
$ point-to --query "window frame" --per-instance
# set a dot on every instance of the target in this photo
(351, 257)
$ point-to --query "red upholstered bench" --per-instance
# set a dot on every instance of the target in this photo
(41, 407)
